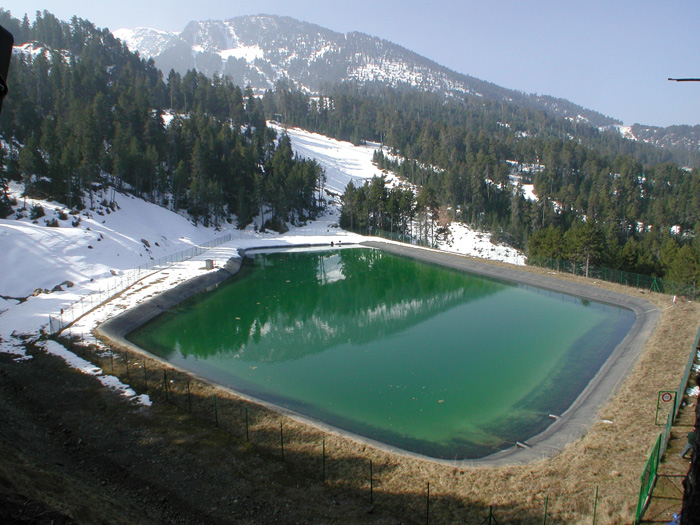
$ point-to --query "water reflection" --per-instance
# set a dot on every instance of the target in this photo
(425, 358)
(284, 306)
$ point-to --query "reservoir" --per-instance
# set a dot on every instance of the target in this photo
(424, 358)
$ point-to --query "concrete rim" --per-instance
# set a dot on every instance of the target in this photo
(570, 426)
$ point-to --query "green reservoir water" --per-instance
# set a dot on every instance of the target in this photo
(428, 359)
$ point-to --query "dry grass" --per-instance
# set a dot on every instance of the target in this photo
(609, 457)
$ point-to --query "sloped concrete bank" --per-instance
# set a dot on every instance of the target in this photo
(114, 330)
(568, 427)
(573, 423)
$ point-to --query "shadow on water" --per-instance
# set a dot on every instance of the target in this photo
(367, 486)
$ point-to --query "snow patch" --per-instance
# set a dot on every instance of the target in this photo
(86, 367)
(72, 360)
(147, 41)
(248, 53)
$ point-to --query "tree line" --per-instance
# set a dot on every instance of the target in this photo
(85, 112)
(641, 206)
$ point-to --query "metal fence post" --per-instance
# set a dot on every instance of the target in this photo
(427, 505)
(371, 484)
(323, 461)
(546, 504)
(595, 504)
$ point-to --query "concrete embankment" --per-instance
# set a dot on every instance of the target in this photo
(116, 328)
(567, 427)
(573, 423)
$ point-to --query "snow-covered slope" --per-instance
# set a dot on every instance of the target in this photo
(259, 50)
(679, 137)
(147, 40)
(344, 162)
(103, 242)
(83, 258)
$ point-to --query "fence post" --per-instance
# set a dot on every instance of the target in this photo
(427, 505)
(491, 518)
(323, 461)
(371, 484)
(595, 504)
(546, 504)
(282, 441)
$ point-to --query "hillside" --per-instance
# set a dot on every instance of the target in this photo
(98, 248)
(676, 137)
(64, 433)
(261, 50)
(103, 117)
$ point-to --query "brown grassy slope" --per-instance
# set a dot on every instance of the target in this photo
(79, 450)
(609, 458)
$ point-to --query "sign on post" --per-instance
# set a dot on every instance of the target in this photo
(665, 404)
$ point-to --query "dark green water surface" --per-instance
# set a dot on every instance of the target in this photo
(421, 357)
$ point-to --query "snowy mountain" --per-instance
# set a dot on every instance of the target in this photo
(150, 41)
(258, 51)
(679, 137)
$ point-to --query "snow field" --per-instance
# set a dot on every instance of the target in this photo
(78, 264)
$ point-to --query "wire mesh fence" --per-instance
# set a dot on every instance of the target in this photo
(314, 455)
(235, 417)
(118, 283)
(636, 280)
(308, 452)
(649, 474)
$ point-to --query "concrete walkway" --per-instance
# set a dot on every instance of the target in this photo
(667, 496)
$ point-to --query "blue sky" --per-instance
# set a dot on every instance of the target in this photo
(613, 56)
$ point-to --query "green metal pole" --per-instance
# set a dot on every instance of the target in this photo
(216, 413)
(371, 484)
(282, 441)
(427, 505)
(595, 504)
(546, 504)
(323, 462)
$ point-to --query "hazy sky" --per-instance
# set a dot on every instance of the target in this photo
(613, 56)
